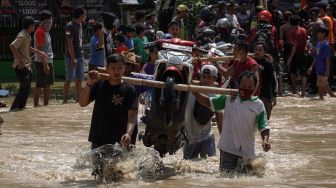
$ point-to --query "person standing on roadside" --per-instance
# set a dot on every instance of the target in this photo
(44, 69)
(74, 60)
(21, 49)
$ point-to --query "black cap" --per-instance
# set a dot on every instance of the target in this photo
(130, 28)
(108, 19)
(28, 21)
(221, 3)
(115, 58)
(323, 3)
(314, 10)
(45, 14)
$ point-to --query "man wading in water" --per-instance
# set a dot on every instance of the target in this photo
(114, 112)
(243, 115)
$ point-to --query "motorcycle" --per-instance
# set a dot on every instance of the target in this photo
(165, 123)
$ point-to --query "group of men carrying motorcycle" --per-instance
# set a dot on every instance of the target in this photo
(176, 118)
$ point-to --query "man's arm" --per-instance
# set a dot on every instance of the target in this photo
(265, 136)
(40, 48)
(70, 48)
(327, 67)
(202, 99)
(219, 120)
(131, 121)
(290, 57)
(312, 66)
(39, 38)
(14, 48)
(223, 71)
(255, 69)
(84, 98)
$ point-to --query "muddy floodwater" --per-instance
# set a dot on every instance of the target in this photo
(40, 147)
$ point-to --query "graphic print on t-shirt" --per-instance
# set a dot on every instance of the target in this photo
(117, 100)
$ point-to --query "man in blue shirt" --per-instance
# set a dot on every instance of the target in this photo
(130, 34)
(322, 63)
(97, 48)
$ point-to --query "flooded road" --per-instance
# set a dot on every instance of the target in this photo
(39, 148)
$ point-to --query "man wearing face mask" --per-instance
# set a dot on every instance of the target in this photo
(44, 70)
(242, 117)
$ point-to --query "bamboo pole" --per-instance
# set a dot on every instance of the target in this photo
(222, 58)
(179, 87)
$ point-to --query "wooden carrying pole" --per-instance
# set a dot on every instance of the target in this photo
(223, 58)
(179, 87)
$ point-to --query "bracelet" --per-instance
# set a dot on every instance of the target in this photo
(87, 84)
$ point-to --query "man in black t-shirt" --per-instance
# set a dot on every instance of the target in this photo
(114, 112)
(267, 75)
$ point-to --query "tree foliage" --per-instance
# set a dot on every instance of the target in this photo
(193, 18)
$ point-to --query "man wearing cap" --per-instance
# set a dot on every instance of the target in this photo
(110, 28)
(22, 50)
(182, 12)
(74, 60)
(44, 69)
(200, 138)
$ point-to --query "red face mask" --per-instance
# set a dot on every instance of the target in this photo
(245, 93)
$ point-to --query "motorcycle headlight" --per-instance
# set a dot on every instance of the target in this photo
(175, 60)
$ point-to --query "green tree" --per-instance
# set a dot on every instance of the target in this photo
(193, 18)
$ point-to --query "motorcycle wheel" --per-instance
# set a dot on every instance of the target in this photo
(169, 104)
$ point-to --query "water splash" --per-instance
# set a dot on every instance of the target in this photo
(112, 163)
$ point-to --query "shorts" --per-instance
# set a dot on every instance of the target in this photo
(42, 80)
(322, 81)
(72, 73)
(228, 162)
(204, 148)
(299, 64)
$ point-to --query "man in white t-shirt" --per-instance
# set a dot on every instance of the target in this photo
(244, 114)
(200, 138)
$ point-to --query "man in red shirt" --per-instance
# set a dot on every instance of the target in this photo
(297, 62)
(240, 64)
